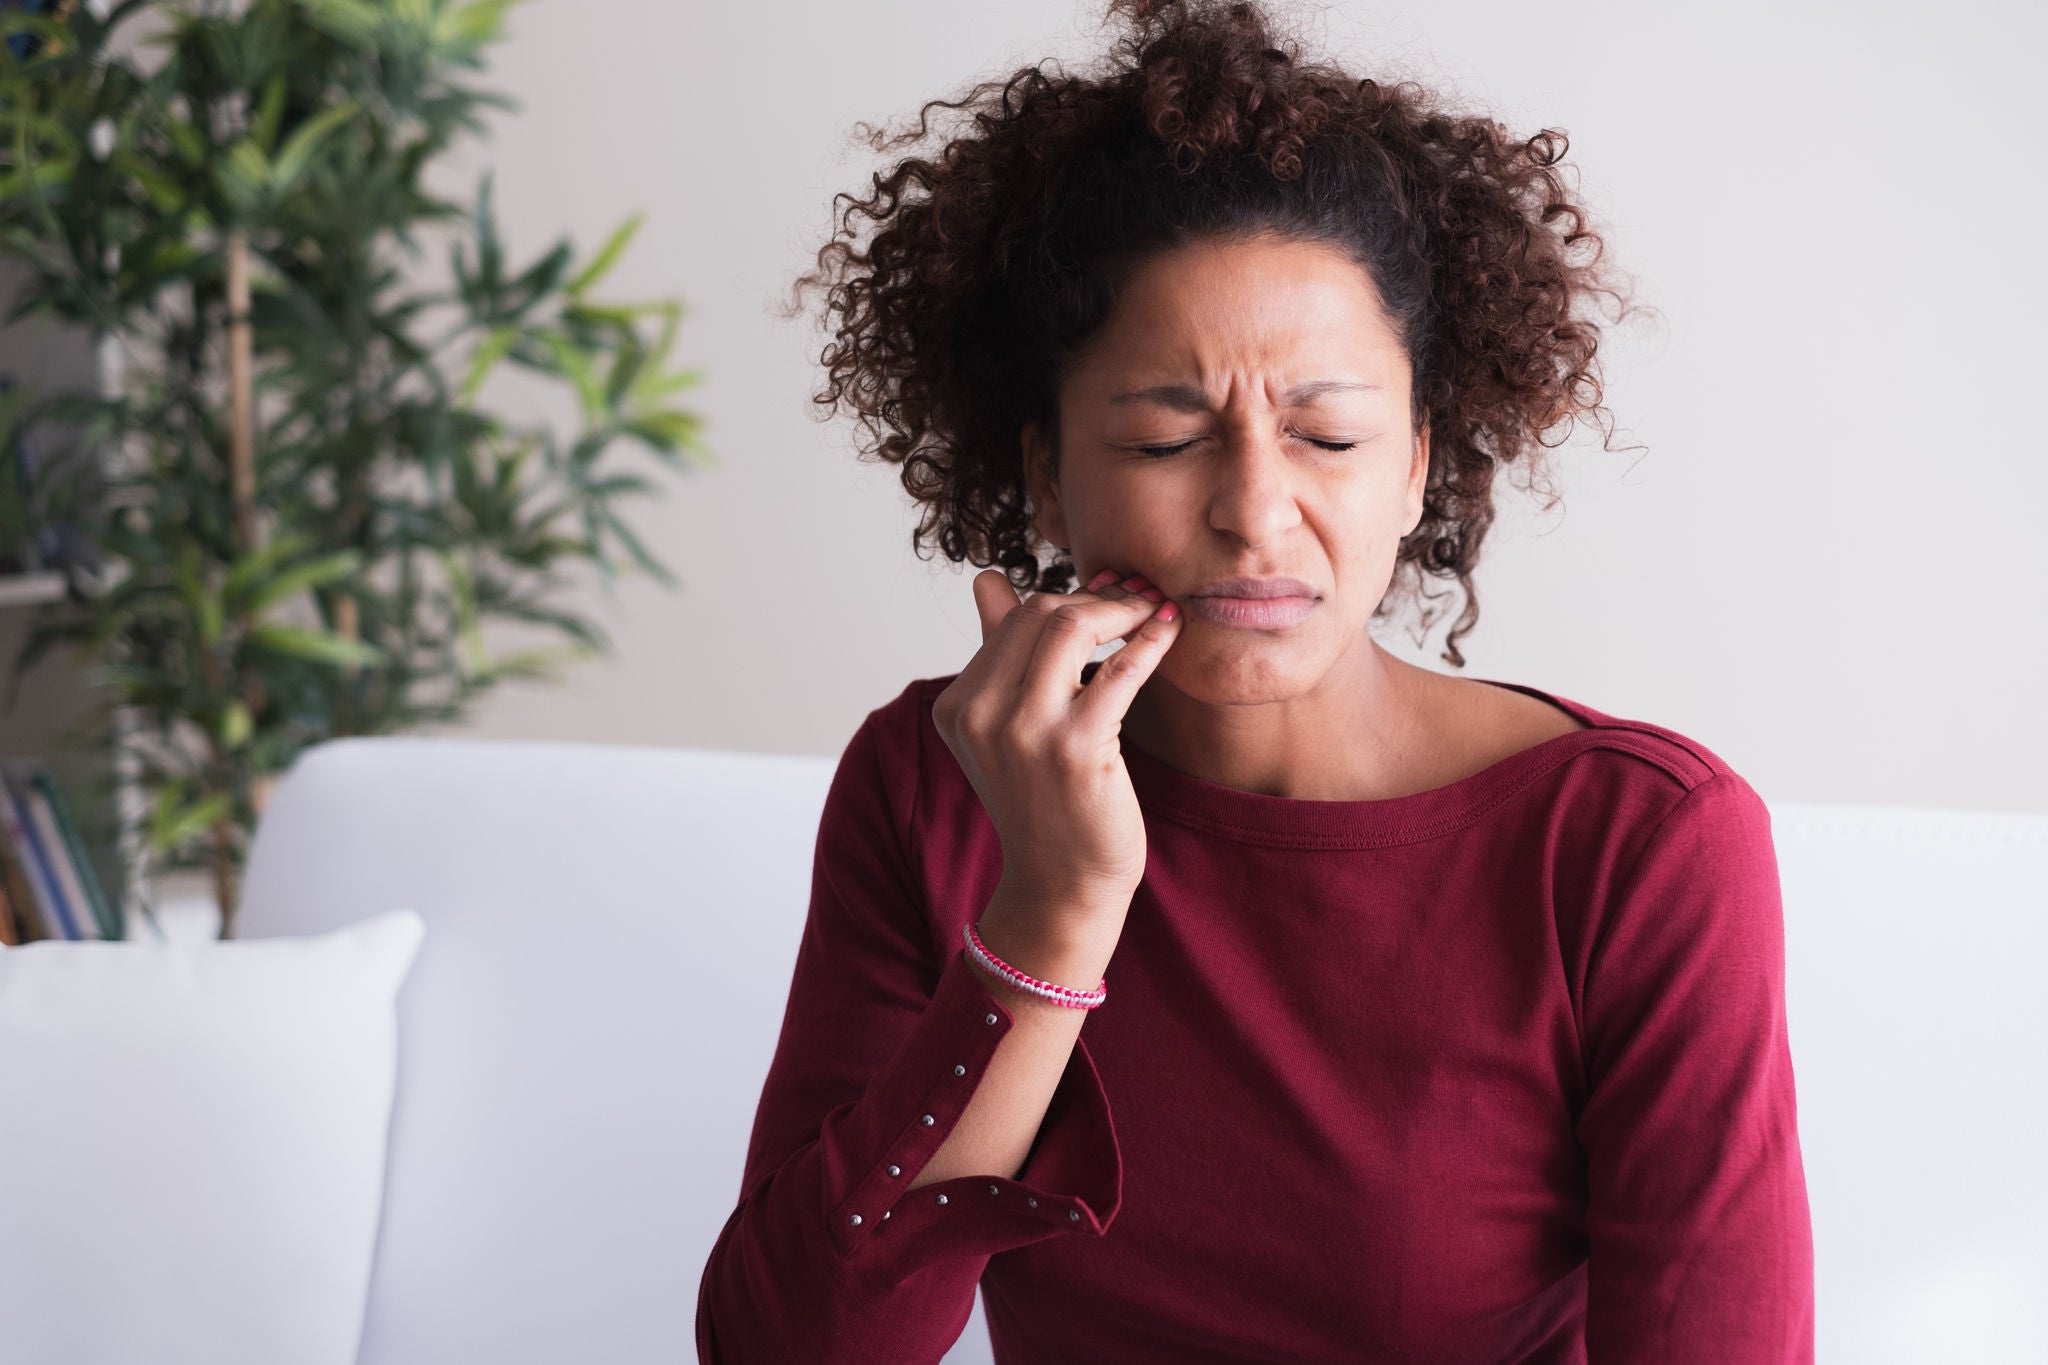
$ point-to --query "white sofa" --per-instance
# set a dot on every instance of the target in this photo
(609, 937)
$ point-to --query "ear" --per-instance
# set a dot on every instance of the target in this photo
(1049, 518)
(1418, 477)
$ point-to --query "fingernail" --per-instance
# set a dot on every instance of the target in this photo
(1135, 582)
(1153, 595)
(1105, 576)
(1167, 612)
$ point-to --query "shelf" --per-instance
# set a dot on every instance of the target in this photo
(26, 589)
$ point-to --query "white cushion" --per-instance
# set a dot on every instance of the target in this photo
(609, 935)
(192, 1145)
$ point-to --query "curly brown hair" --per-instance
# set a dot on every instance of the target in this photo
(995, 258)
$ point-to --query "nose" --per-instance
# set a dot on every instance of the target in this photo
(1254, 499)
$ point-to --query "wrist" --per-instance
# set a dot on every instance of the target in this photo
(1055, 913)
(1056, 958)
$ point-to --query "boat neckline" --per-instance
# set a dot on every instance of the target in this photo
(1300, 822)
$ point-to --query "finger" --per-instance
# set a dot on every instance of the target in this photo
(1118, 585)
(1107, 697)
(1052, 675)
(994, 598)
(1009, 630)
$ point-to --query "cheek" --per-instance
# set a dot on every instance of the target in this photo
(1381, 503)
(1127, 510)
(1372, 525)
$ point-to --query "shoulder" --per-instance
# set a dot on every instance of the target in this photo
(904, 742)
(905, 719)
(1643, 792)
(1687, 840)
(1662, 858)
(1637, 763)
(947, 837)
(1644, 752)
(884, 778)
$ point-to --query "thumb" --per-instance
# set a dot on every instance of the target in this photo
(994, 598)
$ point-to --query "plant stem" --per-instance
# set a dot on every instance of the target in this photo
(241, 383)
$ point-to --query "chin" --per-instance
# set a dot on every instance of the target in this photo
(1247, 668)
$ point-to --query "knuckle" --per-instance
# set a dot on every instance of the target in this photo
(1068, 619)
(1074, 750)
(1116, 665)
(974, 721)
(999, 730)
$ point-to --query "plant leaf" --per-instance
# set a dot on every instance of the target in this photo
(355, 22)
(607, 256)
(269, 110)
(236, 724)
(315, 646)
(464, 28)
(304, 141)
(301, 577)
(575, 363)
(488, 353)
(175, 823)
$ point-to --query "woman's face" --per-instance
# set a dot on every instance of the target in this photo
(1275, 392)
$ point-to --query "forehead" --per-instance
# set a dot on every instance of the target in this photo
(1263, 310)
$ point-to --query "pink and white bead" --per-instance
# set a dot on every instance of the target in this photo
(1059, 995)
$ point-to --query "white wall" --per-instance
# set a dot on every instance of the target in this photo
(1829, 566)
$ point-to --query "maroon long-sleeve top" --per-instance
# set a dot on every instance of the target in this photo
(1496, 1072)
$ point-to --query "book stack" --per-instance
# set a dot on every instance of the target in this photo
(48, 889)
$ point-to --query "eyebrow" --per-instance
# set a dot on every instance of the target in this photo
(1187, 398)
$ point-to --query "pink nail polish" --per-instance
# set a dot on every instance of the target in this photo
(1105, 576)
(1135, 581)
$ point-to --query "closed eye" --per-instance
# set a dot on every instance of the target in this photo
(1160, 452)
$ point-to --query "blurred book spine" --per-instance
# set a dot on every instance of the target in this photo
(47, 881)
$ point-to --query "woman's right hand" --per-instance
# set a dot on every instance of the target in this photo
(1042, 749)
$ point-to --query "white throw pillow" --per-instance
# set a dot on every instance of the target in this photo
(192, 1145)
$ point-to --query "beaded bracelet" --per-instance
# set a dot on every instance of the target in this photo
(1059, 995)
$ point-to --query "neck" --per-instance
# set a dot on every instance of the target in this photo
(1348, 736)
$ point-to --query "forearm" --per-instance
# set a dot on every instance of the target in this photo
(996, 1131)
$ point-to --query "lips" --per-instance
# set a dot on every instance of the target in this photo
(1255, 587)
(1253, 613)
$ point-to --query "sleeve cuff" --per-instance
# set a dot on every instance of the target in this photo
(1072, 1181)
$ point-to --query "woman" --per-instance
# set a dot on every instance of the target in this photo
(1430, 1018)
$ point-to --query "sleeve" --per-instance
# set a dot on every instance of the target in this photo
(826, 1260)
(1701, 1243)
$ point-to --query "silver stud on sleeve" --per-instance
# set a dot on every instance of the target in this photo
(1073, 1215)
(927, 1120)
(1031, 1200)
(942, 1199)
(988, 1019)
(886, 1213)
(995, 1189)
(959, 1070)
(855, 1220)
(895, 1170)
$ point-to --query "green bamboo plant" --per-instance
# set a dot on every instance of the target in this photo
(303, 509)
